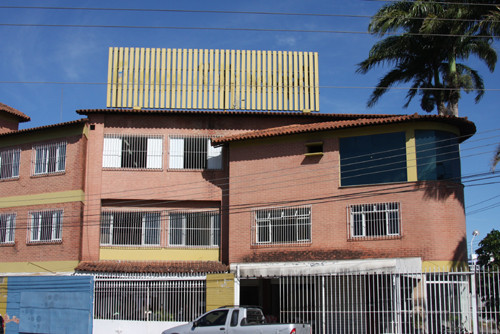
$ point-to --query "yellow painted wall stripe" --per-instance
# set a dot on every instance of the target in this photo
(38, 267)
(44, 198)
(430, 266)
(160, 254)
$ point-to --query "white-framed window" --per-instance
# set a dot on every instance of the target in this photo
(133, 151)
(7, 228)
(375, 220)
(130, 228)
(9, 163)
(194, 152)
(194, 229)
(49, 158)
(282, 225)
(45, 226)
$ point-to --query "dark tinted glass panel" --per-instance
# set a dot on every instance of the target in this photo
(373, 159)
(438, 156)
(134, 152)
(195, 153)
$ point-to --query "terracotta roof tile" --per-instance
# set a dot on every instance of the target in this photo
(228, 113)
(152, 267)
(78, 121)
(467, 128)
(22, 117)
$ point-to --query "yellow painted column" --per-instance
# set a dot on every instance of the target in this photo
(411, 156)
(3, 296)
(220, 290)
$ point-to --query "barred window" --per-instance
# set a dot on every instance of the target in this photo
(49, 159)
(7, 228)
(133, 151)
(45, 226)
(375, 220)
(194, 152)
(121, 228)
(9, 164)
(285, 225)
(194, 229)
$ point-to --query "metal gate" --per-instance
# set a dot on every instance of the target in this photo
(441, 302)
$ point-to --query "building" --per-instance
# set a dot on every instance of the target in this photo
(182, 202)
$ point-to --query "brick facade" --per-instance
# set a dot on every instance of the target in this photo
(261, 169)
(275, 172)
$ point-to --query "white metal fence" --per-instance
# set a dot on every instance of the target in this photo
(382, 303)
(455, 302)
(172, 299)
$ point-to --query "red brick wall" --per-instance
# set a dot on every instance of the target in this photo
(164, 186)
(72, 179)
(276, 173)
(66, 250)
(8, 123)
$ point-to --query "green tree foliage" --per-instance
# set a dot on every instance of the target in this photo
(488, 253)
(488, 285)
(426, 43)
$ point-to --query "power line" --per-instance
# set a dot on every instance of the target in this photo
(258, 86)
(388, 154)
(308, 182)
(445, 3)
(298, 170)
(161, 10)
(100, 26)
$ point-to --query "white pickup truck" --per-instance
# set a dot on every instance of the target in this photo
(237, 319)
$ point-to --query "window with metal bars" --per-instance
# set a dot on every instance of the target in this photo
(122, 228)
(45, 226)
(375, 220)
(9, 164)
(194, 152)
(194, 229)
(49, 159)
(285, 225)
(7, 228)
(133, 151)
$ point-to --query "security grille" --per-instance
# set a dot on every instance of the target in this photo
(175, 299)
(374, 220)
(119, 228)
(194, 229)
(194, 152)
(160, 228)
(7, 228)
(49, 159)
(45, 226)
(133, 151)
(283, 225)
(9, 164)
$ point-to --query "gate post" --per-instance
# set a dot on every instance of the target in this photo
(475, 329)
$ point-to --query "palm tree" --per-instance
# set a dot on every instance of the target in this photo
(434, 37)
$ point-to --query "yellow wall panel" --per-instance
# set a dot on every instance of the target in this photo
(220, 290)
(212, 79)
(158, 254)
(38, 267)
(43, 198)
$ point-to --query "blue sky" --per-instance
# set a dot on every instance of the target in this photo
(49, 72)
